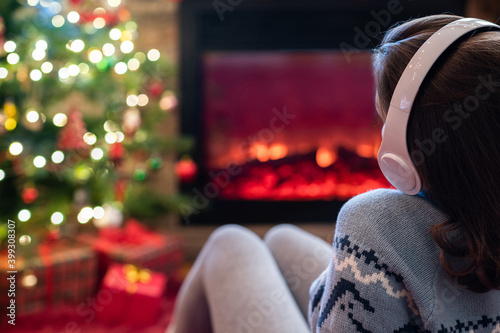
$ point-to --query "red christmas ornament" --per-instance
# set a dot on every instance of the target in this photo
(116, 152)
(120, 188)
(186, 170)
(71, 135)
(2, 32)
(52, 236)
(155, 89)
(29, 195)
(111, 19)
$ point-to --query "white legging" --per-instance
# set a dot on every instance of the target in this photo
(242, 284)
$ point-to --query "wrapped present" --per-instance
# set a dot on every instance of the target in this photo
(134, 295)
(134, 244)
(60, 273)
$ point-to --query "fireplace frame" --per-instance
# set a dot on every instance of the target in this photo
(271, 25)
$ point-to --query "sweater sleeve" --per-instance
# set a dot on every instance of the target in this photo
(360, 291)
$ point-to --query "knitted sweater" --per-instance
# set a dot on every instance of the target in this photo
(385, 275)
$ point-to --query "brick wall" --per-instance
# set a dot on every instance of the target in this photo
(157, 25)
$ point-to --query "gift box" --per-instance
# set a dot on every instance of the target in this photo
(59, 273)
(136, 245)
(133, 296)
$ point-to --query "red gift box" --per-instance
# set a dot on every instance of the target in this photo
(60, 273)
(136, 245)
(134, 296)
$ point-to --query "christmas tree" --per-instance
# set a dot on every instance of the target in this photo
(79, 105)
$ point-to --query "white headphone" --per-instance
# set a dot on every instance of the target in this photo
(393, 157)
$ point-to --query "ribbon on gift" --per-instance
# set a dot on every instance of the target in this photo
(133, 233)
(135, 275)
(45, 252)
(130, 244)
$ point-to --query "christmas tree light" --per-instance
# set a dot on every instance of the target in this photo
(153, 55)
(24, 215)
(39, 161)
(9, 46)
(57, 157)
(32, 116)
(57, 218)
(16, 148)
(13, 58)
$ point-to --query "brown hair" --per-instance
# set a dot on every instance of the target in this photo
(460, 97)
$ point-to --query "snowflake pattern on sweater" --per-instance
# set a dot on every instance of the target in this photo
(357, 273)
(385, 275)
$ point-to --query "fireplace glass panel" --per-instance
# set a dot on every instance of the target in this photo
(299, 125)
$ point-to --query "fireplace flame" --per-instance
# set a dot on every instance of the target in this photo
(263, 153)
(277, 151)
(325, 157)
(260, 151)
(365, 150)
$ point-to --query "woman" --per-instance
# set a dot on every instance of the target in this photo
(428, 262)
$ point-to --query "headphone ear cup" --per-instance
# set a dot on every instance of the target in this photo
(401, 175)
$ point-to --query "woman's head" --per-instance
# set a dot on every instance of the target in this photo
(460, 169)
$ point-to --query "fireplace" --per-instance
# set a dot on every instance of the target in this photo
(279, 97)
(304, 129)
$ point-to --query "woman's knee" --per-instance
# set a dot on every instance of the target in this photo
(231, 236)
(280, 234)
(287, 241)
(232, 248)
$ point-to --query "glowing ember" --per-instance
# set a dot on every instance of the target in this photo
(277, 151)
(365, 151)
(261, 152)
(301, 178)
(325, 157)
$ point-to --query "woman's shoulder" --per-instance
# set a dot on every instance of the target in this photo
(384, 198)
(387, 215)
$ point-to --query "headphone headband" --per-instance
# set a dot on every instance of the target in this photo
(393, 157)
